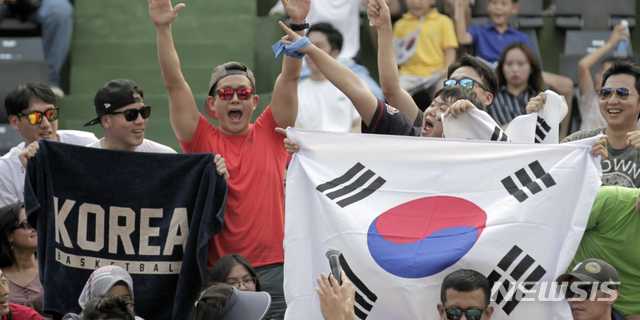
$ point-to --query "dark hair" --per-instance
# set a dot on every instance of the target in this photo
(9, 216)
(458, 93)
(465, 280)
(614, 59)
(535, 82)
(212, 302)
(623, 68)
(221, 269)
(333, 35)
(107, 308)
(486, 74)
(20, 98)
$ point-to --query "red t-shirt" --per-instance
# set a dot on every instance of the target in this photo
(254, 214)
(20, 312)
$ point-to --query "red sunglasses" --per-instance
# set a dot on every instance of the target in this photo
(226, 93)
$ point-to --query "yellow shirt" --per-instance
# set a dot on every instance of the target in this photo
(436, 34)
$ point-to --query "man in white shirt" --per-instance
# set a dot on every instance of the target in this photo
(321, 106)
(32, 111)
(121, 112)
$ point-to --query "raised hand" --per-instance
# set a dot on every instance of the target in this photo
(378, 13)
(536, 103)
(459, 107)
(221, 166)
(297, 10)
(162, 12)
(618, 34)
(336, 301)
(633, 139)
(600, 148)
(291, 37)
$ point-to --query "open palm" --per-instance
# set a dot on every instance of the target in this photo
(162, 12)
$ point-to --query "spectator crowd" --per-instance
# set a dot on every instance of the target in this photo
(460, 66)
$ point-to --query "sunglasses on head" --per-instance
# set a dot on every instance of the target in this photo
(23, 225)
(132, 114)
(606, 93)
(466, 83)
(35, 117)
(455, 313)
(226, 93)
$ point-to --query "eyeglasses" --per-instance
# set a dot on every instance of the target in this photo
(455, 313)
(226, 93)
(466, 83)
(35, 117)
(132, 114)
(622, 93)
(23, 225)
(248, 281)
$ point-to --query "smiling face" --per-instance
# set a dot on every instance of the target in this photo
(32, 132)
(121, 134)
(621, 113)
(500, 11)
(517, 68)
(234, 115)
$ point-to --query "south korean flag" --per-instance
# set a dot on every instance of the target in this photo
(406, 211)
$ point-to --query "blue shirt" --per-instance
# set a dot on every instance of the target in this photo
(488, 42)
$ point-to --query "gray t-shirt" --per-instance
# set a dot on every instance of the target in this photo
(623, 166)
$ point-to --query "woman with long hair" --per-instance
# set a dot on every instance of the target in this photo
(519, 79)
(18, 245)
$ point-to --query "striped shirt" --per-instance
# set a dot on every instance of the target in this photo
(506, 106)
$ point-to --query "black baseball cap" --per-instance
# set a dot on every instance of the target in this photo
(592, 270)
(114, 95)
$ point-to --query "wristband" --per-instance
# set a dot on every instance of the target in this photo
(298, 27)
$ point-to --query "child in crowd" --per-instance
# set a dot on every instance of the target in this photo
(491, 39)
(425, 43)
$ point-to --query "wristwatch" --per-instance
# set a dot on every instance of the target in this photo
(298, 27)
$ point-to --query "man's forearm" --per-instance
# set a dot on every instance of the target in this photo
(389, 77)
(168, 58)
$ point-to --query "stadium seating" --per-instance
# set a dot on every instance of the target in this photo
(21, 60)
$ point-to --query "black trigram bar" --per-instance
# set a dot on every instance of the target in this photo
(349, 189)
(542, 130)
(507, 281)
(362, 306)
(528, 182)
(498, 135)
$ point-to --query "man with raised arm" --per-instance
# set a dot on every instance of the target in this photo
(467, 72)
(254, 153)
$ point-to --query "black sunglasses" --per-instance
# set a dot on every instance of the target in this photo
(622, 93)
(132, 114)
(455, 313)
(466, 83)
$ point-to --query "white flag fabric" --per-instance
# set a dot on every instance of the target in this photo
(407, 211)
(474, 124)
(542, 126)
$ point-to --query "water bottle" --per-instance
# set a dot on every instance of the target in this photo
(623, 49)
